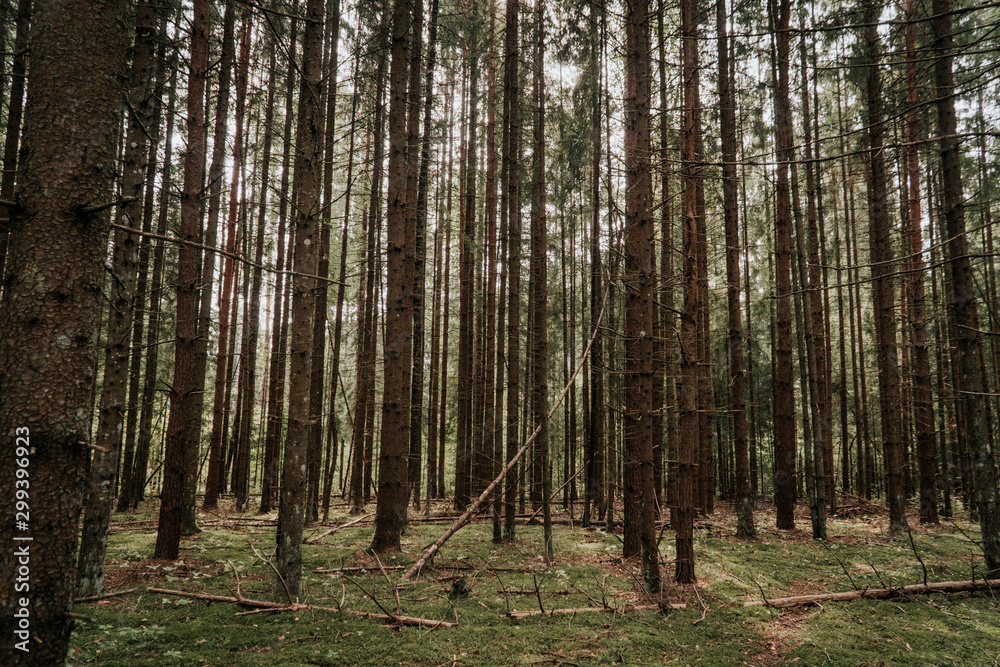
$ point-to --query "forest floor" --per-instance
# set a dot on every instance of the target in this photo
(475, 583)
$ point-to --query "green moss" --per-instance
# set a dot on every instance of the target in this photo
(154, 629)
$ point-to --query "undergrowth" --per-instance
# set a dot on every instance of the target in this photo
(475, 583)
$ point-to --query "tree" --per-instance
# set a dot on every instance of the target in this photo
(307, 192)
(390, 512)
(52, 301)
(640, 282)
(176, 461)
(737, 401)
(114, 392)
(884, 298)
(962, 308)
(784, 391)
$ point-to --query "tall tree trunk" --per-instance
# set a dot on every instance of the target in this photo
(114, 389)
(962, 305)
(390, 512)
(737, 382)
(819, 359)
(884, 298)
(511, 147)
(314, 453)
(420, 252)
(51, 315)
(307, 192)
(689, 421)
(176, 461)
(539, 291)
(924, 413)
(594, 447)
(784, 390)
(640, 283)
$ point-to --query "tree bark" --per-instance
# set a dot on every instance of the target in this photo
(307, 193)
(51, 315)
(390, 511)
(962, 306)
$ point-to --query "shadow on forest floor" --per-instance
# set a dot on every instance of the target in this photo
(475, 583)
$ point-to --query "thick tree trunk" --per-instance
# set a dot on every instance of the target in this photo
(390, 512)
(511, 147)
(924, 414)
(687, 470)
(640, 284)
(51, 313)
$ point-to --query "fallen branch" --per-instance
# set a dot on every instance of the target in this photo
(264, 605)
(474, 507)
(95, 598)
(314, 540)
(626, 608)
(877, 593)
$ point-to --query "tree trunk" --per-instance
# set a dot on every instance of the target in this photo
(539, 292)
(962, 306)
(924, 413)
(15, 108)
(307, 192)
(176, 462)
(640, 283)
(511, 147)
(114, 389)
(884, 298)
(737, 378)
(784, 390)
(390, 512)
(51, 315)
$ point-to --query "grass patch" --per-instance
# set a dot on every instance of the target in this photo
(476, 582)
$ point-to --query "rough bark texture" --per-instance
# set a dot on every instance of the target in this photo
(51, 314)
(784, 390)
(737, 377)
(689, 423)
(114, 388)
(884, 297)
(306, 189)
(962, 307)
(175, 461)
(640, 283)
(390, 512)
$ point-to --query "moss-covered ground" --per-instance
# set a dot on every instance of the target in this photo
(475, 583)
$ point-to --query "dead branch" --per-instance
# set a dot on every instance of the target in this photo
(298, 606)
(314, 540)
(878, 593)
(516, 615)
(474, 507)
(95, 598)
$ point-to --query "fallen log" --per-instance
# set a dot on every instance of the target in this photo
(516, 615)
(877, 593)
(314, 540)
(265, 605)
